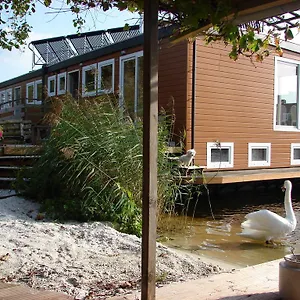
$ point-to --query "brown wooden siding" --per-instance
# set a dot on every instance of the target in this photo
(172, 80)
(235, 103)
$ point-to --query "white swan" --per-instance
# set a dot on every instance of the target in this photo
(266, 225)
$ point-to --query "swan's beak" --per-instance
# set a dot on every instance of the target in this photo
(283, 188)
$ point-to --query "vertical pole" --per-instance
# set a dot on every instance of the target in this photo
(150, 123)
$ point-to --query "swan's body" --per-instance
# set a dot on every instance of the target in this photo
(266, 225)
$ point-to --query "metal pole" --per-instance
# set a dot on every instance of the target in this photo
(150, 124)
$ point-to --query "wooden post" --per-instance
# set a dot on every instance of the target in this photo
(150, 124)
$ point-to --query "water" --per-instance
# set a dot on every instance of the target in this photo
(218, 239)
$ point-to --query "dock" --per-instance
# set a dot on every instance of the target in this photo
(228, 176)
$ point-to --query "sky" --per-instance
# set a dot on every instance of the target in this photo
(48, 23)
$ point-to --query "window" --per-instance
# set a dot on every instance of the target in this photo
(106, 76)
(61, 83)
(8, 98)
(295, 154)
(30, 93)
(17, 95)
(89, 80)
(73, 83)
(286, 108)
(51, 85)
(131, 84)
(38, 92)
(259, 154)
(2, 99)
(34, 92)
(220, 155)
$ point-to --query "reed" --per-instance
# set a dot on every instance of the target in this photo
(91, 166)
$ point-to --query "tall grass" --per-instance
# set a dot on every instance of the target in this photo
(91, 166)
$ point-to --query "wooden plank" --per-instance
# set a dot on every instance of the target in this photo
(21, 150)
(224, 177)
(150, 125)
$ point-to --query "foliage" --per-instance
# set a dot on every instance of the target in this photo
(91, 166)
(188, 15)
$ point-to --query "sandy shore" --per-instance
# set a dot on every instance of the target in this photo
(81, 259)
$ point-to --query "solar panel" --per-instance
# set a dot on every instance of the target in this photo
(58, 49)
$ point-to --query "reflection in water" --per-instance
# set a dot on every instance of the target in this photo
(219, 238)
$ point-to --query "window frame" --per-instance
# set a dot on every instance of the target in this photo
(36, 83)
(293, 160)
(2, 95)
(84, 70)
(8, 104)
(124, 58)
(219, 165)
(276, 86)
(100, 66)
(262, 163)
(28, 84)
(51, 78)
(59, 90)
(17, 101)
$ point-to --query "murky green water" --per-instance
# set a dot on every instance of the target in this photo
(218, 239)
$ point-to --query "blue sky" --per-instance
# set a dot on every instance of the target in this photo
(47, 23)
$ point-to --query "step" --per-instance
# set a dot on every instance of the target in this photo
(21, 149)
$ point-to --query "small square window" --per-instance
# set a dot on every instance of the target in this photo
(220, 155)
(259, 154)
(295, 154)
(61, 83)
(52, 86)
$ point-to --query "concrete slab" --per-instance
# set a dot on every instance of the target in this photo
(259, 282)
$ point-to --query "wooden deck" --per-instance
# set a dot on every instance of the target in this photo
(20, 292)
(223, 177)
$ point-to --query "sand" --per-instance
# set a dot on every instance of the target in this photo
(85, 260)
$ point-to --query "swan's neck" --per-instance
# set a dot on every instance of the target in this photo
(290, 215)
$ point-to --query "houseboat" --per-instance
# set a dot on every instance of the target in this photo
(241, 117)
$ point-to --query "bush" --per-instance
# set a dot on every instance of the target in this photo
(91, 166)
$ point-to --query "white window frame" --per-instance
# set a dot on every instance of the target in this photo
(123, 58)
(262, 163)
(293, 160)
(285, 127)
(100, 66)
(84, 70)
(52, 78)
(37, 101)
(15, 99)
(219, 165)
(27, 86)
(59, 90)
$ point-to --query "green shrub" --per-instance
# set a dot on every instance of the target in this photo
(91, 166)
